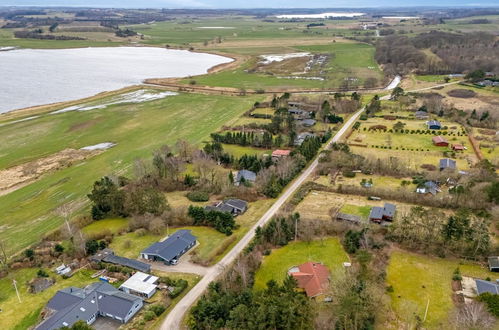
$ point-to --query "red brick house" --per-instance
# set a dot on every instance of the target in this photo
(440, 141)
(312, 277)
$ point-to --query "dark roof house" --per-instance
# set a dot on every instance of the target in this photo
(234, 206)
(107, 255)
(300, 138)
(486, 286)
(378, 214)
(170, 249)
(430, 187)
(434, 124)
(447, 163)
(72, 304)
(244, 176)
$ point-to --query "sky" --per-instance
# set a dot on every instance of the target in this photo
(248, 4)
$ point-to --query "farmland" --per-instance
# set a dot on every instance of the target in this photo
(137, 129)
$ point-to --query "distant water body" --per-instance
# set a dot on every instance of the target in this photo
(30, 77)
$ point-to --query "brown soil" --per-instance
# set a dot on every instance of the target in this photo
(19, 176)
(456, 286)
(83, 126)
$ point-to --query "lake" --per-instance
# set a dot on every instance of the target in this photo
(30, 77)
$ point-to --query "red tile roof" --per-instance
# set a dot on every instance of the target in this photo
(439, 139)
(280, 152)
(457, 146)
(312, 277)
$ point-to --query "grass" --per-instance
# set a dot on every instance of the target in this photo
(16, 315)
(138, 129)
(113, 226)
(362, 211)
(276, 265)
(238, 151)
(407, 273)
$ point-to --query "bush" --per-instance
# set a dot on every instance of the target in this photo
(198, 196)
(349, 174)
(457, 275)
(58, 248)
(42, 273)
(492, 302)
(157, 309)
(149, 316)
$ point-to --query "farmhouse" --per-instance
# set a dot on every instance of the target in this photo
(312, 277)
(280, 153)
(108, 256)
(457, 147)
(440, 141)
(243, 176)
(140, 284)
(447, 163)
(378, 214)
(233, 206)
(434, 124)
(98, 299)
(494, 264)
(171, 249)
(300, 138)
(421, 115)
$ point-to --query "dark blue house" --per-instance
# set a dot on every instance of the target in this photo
(434, 124)
(171, 249)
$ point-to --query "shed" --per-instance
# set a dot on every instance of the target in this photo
(447, 163)
(130, 263)
(140, 284)
(494, 264)
(434, 124)
(440, 141)
(171, 249)
(457, 147)
(349, 217)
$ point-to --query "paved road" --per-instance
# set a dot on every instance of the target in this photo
(175, 316)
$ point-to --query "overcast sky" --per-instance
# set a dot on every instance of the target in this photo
(247, 3)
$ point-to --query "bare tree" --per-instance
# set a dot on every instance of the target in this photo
(472, 316)
(3, 255)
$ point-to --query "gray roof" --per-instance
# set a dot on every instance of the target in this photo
(447, 163)
(308, 122)
(493, 262)
(486, 286)
(173, 246)
(348, 217)
(247, 175)
(421, 114)
(134, 264)
(376, 213)
(101, 254)
(236, 204)
(434, 123)
(389, 210)
(302, 137)
(73, 304)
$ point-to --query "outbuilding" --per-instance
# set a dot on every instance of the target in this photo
(243, 176)
(434, 124)
(457, 147)
(494, 264)
(171, 249)
(280, 153)
(447, 163)
(140, 284)
(440, 141)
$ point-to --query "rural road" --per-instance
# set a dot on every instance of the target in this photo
(176, 315)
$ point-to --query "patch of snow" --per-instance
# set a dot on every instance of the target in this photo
(322, 15)
(394, 83)
(99, 146)
(19, 120)
(267, 59)
(132, 97)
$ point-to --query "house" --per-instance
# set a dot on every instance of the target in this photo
(421, 115)
(140, 284)
(456, 75)
(107, 255)
(171, 249)
(440, 141)
(233, 206)
(280, 153)
(434, 124)
(63, 269)
(300, 138)
(378, 214)
(457, 147)
(487, 286)
(299, 113)
(429, 187)
(312, 277)
(97, 299)
(349, 217)
(494, 264)
(447, 163)
(488, 83)
(244, 176)
(307, 122)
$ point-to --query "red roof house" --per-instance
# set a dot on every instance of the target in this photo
(280, 153)
(440, 141)
(312, 277)
(457, 147)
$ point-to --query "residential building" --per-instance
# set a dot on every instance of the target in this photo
(487, 286)
(140, 284)
(233, 206)
(421, 115)
(171, 249)
(72, 304)
(378, 214)
(440, 141)
(447, 163)
(429, 187)
(244, 176)
(457, 147)
(434, 124)
(280, 153)
(349, 217)
(300, 138)
(307, 122)
(312, 277)
(107, 255)
(494, 264)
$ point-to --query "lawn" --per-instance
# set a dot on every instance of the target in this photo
(275, 266)
(23, 315)
(417, 279)
(137, 129)
(362, 211)
(237, 150)
(112, 226)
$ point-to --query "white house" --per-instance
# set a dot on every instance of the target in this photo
(140, 284)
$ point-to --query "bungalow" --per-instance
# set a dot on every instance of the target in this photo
(440, 141)
(457, 147)
(140, 284)
(434, 124)
(307, 122)
(429, 187)
(494, 264)
(487, 286)
(243, 176)
(300, 138)
(312, 277)
(378, 214)
(107, 255)
(280, 153)
(421, 115)
(233, 206)
(299, 113)
(447, 163)
(171, 249)
(72, 304)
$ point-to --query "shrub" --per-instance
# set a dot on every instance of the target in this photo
(456, 276)
(42, 273)
(349, 174)
(389, 289)
(58, 248)
(149, 316)
(198, 196)
(492, 302)
(157, 309)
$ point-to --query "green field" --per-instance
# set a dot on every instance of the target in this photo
(112, 226)
(138, 129)
(275, 266)
(361, 211)
(417, 279)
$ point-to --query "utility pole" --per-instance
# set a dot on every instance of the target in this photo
(17, 291)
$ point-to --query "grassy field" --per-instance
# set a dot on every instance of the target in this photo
(417, 279)
(362, 211)
(238, 151)
(113, 226)
(276, 265)
(137, 129)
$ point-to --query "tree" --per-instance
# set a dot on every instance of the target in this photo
(143, 199)
(78, 325)
(493, 192)
(53, 27)
(475, 76)
(91, 247)
(107, 199)
(397, 91)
